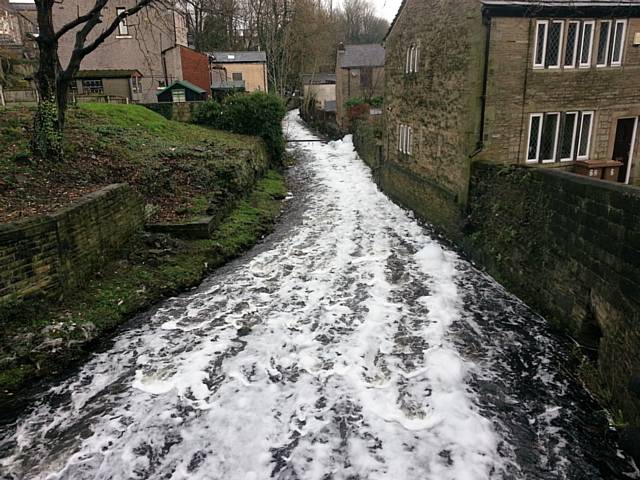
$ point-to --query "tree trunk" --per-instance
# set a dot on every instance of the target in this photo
(49, 119)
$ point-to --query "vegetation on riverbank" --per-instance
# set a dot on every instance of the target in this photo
(180, 169)
(42, 339)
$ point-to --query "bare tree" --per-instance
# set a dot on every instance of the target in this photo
(52, 79)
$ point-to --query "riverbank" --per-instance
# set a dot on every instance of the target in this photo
(41, 339)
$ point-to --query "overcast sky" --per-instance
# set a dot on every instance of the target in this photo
(387, 8)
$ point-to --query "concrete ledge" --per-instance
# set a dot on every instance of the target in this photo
(196, 229)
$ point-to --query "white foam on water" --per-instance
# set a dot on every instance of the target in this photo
(338, 375)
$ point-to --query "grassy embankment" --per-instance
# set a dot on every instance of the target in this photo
(109, 144)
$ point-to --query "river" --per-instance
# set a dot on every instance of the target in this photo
(351, 344)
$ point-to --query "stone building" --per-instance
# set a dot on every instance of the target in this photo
(321, 89)
(359, 74)
(17, 27)
(151, 45)
(239, 71)
(551, 84)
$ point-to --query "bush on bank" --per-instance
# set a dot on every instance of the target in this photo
(258, 114)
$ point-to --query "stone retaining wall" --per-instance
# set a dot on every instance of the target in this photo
(52, 253)
(570, 247)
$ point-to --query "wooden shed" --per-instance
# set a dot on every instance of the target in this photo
(181, 91)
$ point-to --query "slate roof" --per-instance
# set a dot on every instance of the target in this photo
(369, 55)
(107, 73)
(238, 57)
(318, 78)
(182, 83)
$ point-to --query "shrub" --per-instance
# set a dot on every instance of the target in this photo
(376, 102)
(258, 114)
(358, 111)
(354, 102)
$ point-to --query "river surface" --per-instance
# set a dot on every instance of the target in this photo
(351, 344)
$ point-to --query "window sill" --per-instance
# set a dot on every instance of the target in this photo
(124, 36)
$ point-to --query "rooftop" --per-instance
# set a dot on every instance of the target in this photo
(239, 57)
(368, 55)
(318, 78)
(108, 73)
(182, 83)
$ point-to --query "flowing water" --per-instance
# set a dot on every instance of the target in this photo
(351, 344)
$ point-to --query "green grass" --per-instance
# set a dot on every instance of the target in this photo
(156, 129)
(182, 169)
(124, 288)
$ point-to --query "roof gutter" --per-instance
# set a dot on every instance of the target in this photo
(498, 8)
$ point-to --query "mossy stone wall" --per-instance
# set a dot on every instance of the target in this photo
(570, 247)
(53, 253)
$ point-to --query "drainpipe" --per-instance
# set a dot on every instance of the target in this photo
(486, 20)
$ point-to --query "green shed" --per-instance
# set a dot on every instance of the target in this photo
(181, 91)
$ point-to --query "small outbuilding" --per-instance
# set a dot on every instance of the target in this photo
(181, 91)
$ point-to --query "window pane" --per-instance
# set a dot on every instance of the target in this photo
(587, 38)
(554, 40)
(179, 95)
(568, 137)
(540, 38)
(585, 129)
(572, 44)
(618, 40)
(534, 132)
(123, 29)
(548, 140)
(603, 43)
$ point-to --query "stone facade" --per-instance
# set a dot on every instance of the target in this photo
(148, 45)
(444, 109)
(360, 79)
(515, 90)
(441, 102)
(575, 259)
(53, 253)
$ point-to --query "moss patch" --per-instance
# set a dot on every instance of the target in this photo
(41, 339)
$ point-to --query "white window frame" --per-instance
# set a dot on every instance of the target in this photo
(555, 137)
(184, 95)
(531, 117)
(573, 135)
(407, 61)
(412, 66)
(400, 137)
(606, 52)
(582, 115)
(544, 44)
(586, 64)
(559, 59)
(576, 44)
(123, 27)
(409, 147)
(417, 62)
(618, 62)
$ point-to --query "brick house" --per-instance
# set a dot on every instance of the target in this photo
(548, 84)
(359, 74)
(151, 44)
(245, 70)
